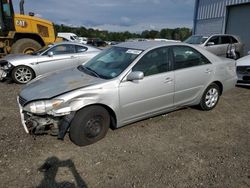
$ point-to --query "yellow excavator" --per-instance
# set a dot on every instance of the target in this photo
(20, 33)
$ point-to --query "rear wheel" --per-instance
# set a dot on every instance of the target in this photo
(89, 125)
(25, 46)
(22, 74)
(210, 97)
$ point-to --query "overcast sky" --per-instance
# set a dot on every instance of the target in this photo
(115, 15)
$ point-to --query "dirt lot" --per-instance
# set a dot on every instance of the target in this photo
(186, 148)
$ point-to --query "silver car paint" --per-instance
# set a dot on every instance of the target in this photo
(42, 64)
(133, 101)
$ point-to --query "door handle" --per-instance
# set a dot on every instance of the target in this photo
(168, 80)
(208, 71)
(72, 57)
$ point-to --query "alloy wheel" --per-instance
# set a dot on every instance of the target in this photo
(212, 97)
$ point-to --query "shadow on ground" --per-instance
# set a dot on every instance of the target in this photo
(50, 169)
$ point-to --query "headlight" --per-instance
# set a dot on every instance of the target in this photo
(41, 107)
(7, 66)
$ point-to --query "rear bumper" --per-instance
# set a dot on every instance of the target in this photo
(229, 84)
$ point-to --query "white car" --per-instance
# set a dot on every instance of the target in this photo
(243, 71)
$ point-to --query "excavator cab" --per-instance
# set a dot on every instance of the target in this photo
(20, 33)
(6, 17)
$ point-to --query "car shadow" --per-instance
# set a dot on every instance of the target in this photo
(244, 87)
(50, 169)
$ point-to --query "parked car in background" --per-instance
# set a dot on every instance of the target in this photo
(23, 68)
(71, 37)
(123, 84)
(96, 42)
(243, 71)
(221, 45)
(83, 40)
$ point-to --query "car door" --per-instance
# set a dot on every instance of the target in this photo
(192, 73)
(63, 57)
(152, 94)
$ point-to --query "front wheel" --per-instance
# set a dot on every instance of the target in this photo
(89, 125)
(22, 74)
(210, 97)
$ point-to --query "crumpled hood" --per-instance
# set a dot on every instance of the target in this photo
(244, 61)
(57, 83)
(12, 57)
(17, 59)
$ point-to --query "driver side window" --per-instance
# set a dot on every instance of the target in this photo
(215, 40)
(154, 62)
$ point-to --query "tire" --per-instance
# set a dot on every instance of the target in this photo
(89, 125)
(22, 74)
(210, 97)
(25, 46)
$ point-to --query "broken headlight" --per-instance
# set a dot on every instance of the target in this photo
(41, 107)
(6, 65)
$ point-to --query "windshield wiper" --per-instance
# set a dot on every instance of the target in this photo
(91, 70)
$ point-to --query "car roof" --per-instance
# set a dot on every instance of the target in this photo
(144, 45)
(69, 42)
(75, 43)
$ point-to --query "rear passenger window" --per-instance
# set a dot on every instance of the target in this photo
(225, 40)
(80, 49)
(185, 57)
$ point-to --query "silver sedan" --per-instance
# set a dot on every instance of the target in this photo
(124, 84)
(24, 68)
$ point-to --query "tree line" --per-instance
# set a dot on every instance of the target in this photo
(174, 34)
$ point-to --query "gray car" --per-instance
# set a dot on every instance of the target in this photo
(220, 44)
(23, 68)
(124, 84)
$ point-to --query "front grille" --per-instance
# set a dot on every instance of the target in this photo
(243, 69)
(22, 101)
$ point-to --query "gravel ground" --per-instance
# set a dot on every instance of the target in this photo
(185, 148)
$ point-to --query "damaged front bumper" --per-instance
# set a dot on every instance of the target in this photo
(3, 74)
(5, 70)
(45, 124)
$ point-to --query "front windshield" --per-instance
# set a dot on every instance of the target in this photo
(111, 62)
(39, 52)
(196, 40)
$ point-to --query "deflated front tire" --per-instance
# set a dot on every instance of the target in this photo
(89, 125)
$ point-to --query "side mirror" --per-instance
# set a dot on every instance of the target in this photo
(137, 75)
(50, 54)
(210, 43)
(248, 53)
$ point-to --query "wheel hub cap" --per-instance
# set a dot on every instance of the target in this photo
(211, 97)
(23, 75)
(93, 127)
